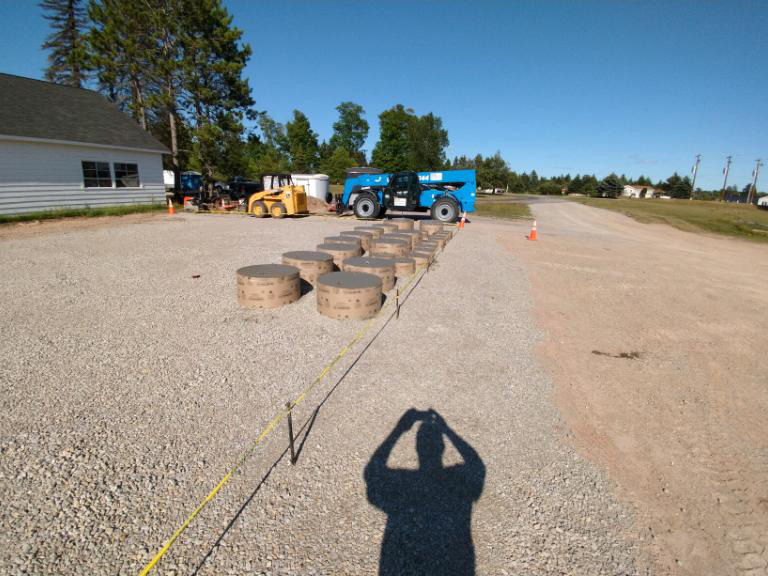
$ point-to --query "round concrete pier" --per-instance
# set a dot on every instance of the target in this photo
(403, 224)
(310, 264)
(364, 236)
(340, 251)
(404, 266)
(343, 240)
(267, 285)
(384, 268)
(390, 247)
(429, 227)
(422, 259)
(374, 230)
(404, 236)
(349, 295)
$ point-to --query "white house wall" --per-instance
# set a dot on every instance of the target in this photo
(37, 176)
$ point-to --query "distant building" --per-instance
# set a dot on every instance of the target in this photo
(63, 147)
(637, 191)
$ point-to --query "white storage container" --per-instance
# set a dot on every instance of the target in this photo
(315, 185)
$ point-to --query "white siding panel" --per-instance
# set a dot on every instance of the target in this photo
(41, 176)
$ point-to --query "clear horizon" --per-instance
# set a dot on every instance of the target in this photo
(557, 87)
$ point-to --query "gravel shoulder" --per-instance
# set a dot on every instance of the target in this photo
(129, 388)
(655, 340)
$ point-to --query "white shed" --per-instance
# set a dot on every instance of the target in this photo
(63, 147)
(315, 185)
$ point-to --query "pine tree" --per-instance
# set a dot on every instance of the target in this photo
(213, 94)
(610, 187)
(124, 53)
(68, 58)
(302, 143)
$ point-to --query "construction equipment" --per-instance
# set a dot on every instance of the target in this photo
(445, 194)
(279, 198)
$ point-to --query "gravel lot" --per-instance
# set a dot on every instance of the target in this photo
(129, 388)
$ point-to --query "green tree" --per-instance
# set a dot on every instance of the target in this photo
(337, 164)
(392, 151)
(549, 188)
(463, 163)
(267, 150)
(302, 144)
(427, 143)
(123, 53)
(68, 57)
(681, 188)
(576, 186)
(610, 187)
(214, 95)
(350, 130)
(492, 172)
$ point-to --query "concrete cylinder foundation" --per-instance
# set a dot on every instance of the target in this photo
(267, 285)
(348, 295)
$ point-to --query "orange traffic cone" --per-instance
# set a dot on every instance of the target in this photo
(463, 219)
(532, 235)
(170, 207)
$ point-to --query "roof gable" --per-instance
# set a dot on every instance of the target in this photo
(37, 109)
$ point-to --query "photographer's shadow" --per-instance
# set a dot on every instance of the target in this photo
(429, 510)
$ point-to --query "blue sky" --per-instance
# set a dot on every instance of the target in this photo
(589, 86)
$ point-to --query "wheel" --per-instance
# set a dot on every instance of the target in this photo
(366, 206)
(445, 209)
(259, 209)
(278, 210)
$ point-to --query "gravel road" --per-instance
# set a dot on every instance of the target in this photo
(129, 387)
(655, 341)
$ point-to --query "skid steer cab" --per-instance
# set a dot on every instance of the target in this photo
(279, 198)
(445, 194)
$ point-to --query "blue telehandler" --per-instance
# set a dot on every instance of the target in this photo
(369, 193)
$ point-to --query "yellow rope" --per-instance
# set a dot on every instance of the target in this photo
(271, 426)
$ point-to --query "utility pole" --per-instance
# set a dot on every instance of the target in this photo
(695, 171)
(753, 187)
(725, 180)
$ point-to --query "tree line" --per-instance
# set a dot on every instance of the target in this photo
(176, 67)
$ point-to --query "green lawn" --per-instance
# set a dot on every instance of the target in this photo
(743, 221)
(82, 213)
(501, 207)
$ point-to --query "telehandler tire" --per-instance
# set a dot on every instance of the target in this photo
(445, 209)
(366, 206)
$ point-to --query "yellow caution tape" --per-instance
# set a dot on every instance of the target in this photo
(267, 430)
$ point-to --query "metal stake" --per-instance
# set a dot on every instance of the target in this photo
(289, 407)
(397, 303)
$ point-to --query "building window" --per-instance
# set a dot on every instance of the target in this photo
(96, 175)
(127, 175)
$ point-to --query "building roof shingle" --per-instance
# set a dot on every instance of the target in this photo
(36, 109)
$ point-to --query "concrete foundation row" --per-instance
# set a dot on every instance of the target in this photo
(348, 284)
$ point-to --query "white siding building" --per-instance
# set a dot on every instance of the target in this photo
(63, 147)
(637, 191)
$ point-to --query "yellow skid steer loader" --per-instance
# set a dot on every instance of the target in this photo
(279, 198)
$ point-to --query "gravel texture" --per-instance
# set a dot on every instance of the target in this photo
(129, 386)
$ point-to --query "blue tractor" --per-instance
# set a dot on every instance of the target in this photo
(445, 194)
